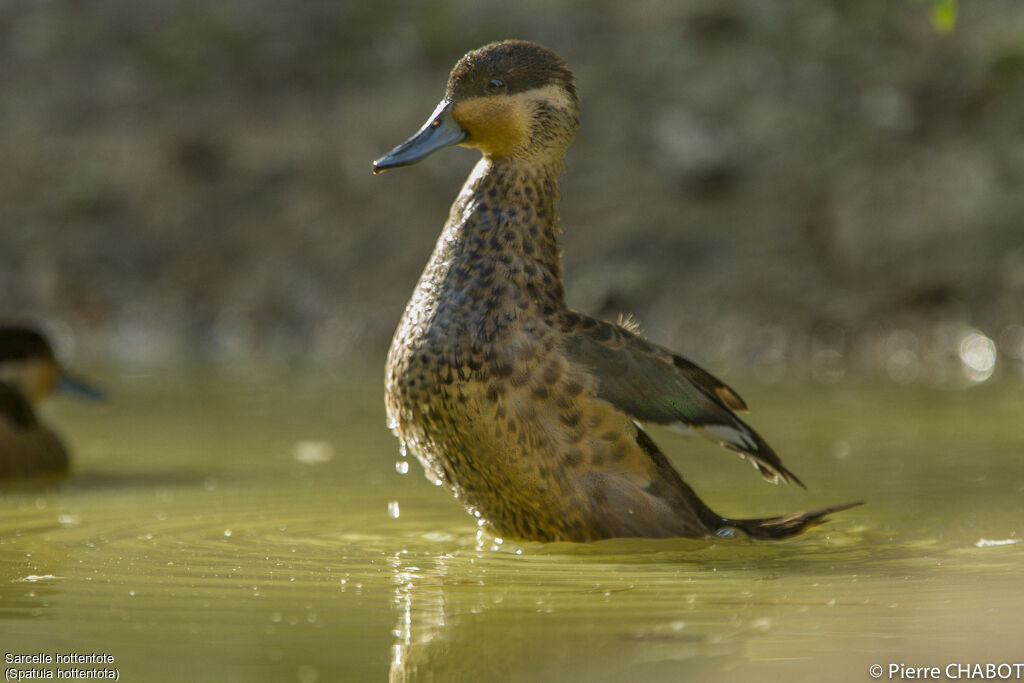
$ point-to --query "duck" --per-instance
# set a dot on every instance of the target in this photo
(531, 413)
(29, 372)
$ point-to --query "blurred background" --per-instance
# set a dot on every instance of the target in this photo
(821, 196)
(783, 187)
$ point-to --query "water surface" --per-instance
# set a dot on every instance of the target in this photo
(260, 528)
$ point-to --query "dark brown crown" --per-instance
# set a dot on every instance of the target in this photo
(18, 343)
(520, 64)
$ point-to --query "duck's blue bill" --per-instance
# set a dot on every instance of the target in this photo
(440, 131)
(72, 386)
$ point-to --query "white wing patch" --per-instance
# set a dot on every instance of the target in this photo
(683, 428)
(731, 435)
(723, 434)
(736, 439)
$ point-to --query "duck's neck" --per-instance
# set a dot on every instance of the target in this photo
(505, 222)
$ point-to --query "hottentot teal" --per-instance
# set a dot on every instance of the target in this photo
(528, 411)
(29, 372)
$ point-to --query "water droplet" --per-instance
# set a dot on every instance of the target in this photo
(307, 674)
(227, 532)
(32, 578)
(840, 450)
(313, 452)
(903, 366)
(393, 511)
(978, 354)
(402, 466)
(900, 352)
(1012, 341)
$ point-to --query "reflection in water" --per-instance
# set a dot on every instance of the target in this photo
(569, 612)
(654, 611)
(30, 581)
(247, 530)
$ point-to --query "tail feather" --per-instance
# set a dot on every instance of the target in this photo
(785, 525)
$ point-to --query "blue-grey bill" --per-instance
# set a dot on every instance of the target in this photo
(438, 132)
(72, 386)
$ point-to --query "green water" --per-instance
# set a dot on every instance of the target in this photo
(258, 529)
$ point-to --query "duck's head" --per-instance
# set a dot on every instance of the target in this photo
(508, 99)
(28, 363)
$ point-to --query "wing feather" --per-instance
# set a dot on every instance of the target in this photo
(652, 384)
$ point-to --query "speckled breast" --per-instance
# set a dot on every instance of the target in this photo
(434, 373)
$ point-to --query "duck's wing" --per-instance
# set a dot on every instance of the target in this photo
(667, 506)
(652, 384)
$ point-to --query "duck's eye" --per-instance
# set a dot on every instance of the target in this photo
(495, 85)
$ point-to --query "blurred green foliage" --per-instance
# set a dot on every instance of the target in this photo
(944, 15)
